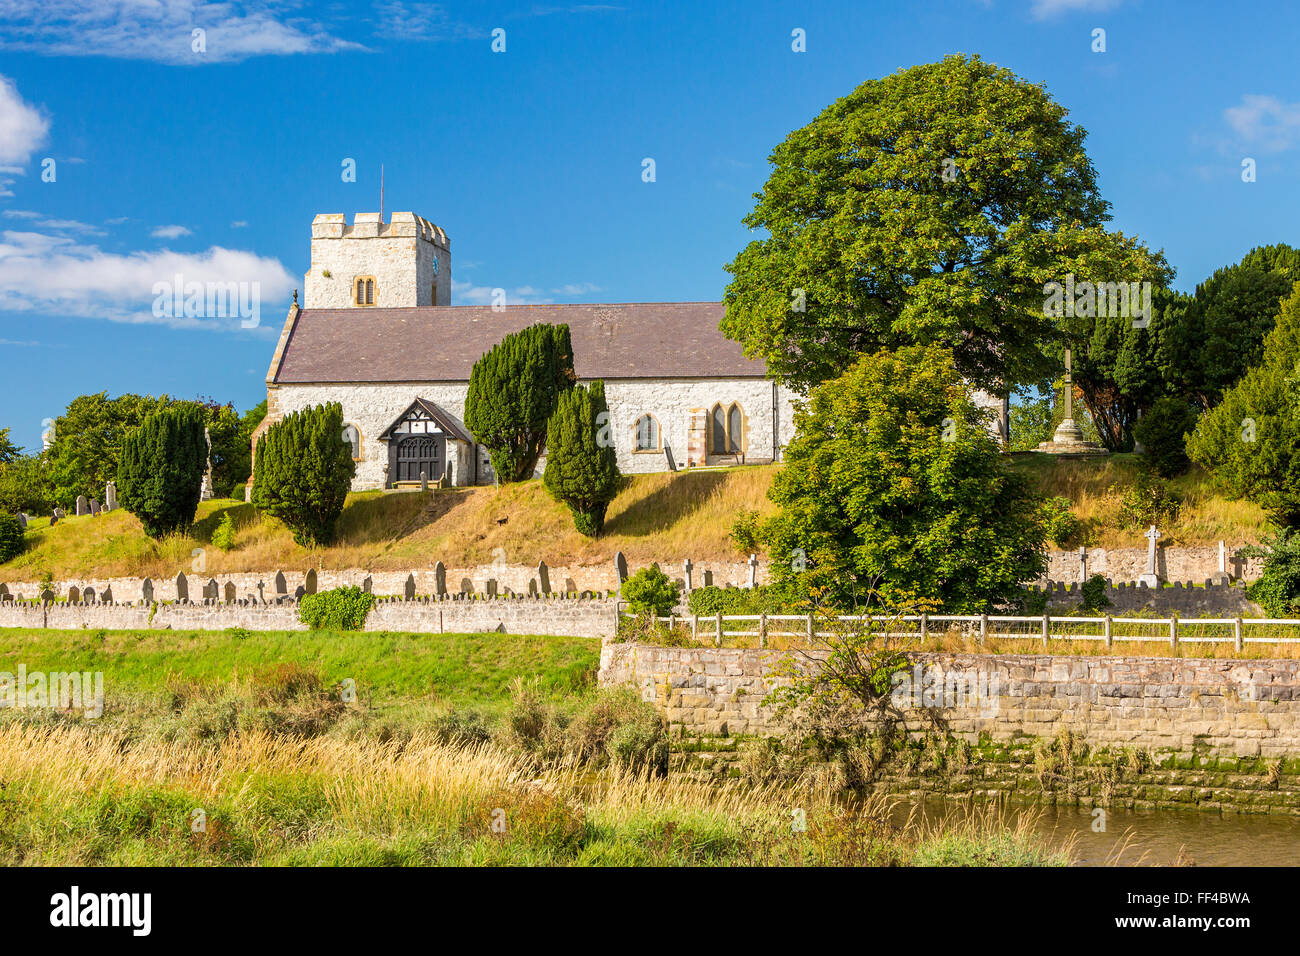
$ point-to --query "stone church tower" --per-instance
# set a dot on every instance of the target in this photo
(400, 263)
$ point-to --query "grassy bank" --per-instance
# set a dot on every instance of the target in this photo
(653, 517)
(231, 749)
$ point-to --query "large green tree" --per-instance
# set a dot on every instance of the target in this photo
(160, 469)
(893, 483)
(932, 205)
(1251, 439)
(87, 440)
(513, 391)
(581, 464)
(1208, 344)
(303, 471)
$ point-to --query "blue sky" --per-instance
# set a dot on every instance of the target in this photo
(213, 164)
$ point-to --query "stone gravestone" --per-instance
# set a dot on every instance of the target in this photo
(492, 587)
(424, 481)
(1083, 564)
(4, 591)
(231, 593)
(1221, 577)
(47, 596)
(753, 570)
(532, 587)
(83, 506)
(94, 506)
(212, 590)
(1151, 579)
(408, 589)
(74, 594)
(107, 596)
(22, 519)
(110, 496)
(368, 584)
(708, 579)
(309, 586)
(439, 579)
(544, 577)
(146, 591)
(298, 593)
(88, 596)
(620, 567)
(182, 588)
(466, 586)
(281, 585)
(58, 513)
(687, 568)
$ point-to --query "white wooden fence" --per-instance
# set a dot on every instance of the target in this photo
(1237, 631)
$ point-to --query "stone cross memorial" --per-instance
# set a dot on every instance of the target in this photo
(1151, 579)
(753, 570)
(1222, 576)
(687, 568)
(110, 496)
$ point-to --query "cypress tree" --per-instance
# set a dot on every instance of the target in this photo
(513, 390)
(581, 466)
(160, 469)
(303, 472)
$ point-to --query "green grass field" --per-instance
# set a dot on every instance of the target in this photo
(222, 748)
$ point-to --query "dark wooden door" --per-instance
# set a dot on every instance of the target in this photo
(419, 453)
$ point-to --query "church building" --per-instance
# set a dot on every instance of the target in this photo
(377, 333)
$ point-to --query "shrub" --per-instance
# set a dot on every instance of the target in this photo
(648, 629)
(340, 609)
(1162, 432)
(513, 391)
(1278, 589)
(1094, 593)
(303, 472)
(745, 532)
(621, 729)
(581, 464)
(1059, 522)
(1148, 501)
(764, 599)
(224, 534)
(640, 746)
(160, 470)
(649, 591)
(11, 538)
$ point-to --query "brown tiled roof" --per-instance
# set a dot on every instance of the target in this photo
(441, 343)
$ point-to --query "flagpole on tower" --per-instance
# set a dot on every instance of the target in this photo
(381, 194)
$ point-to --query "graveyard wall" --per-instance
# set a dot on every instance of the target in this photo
(1228, 600)
(555, 617)
(515, 577)
(1172, 564)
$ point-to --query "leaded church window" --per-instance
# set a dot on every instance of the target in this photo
(363, 291)
(647, 433)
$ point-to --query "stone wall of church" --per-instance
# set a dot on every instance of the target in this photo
(372, 408)
(671, 403)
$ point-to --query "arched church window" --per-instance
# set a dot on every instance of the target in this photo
(363, 291)
(735, 419)
(352, 437)
(718, 430)
(647, 433)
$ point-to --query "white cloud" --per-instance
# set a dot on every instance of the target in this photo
(70, 225)
(1046, 9)
(399, 20)
(22, 214)
(162, 30)
(23, 128)
(170, 232)
(577, 288)
(57, 275)
(1265, 122)
(239, 224)
(466, 293)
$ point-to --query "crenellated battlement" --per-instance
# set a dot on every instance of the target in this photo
(367, 225)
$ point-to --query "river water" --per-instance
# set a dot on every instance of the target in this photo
(1156, 838)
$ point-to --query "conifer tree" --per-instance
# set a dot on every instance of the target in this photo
(581, 466)
(160, 470)
(303, 471)
(513, 390)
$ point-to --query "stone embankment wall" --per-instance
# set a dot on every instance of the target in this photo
(1239, 708)
(1227, 600)
(559, 617)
